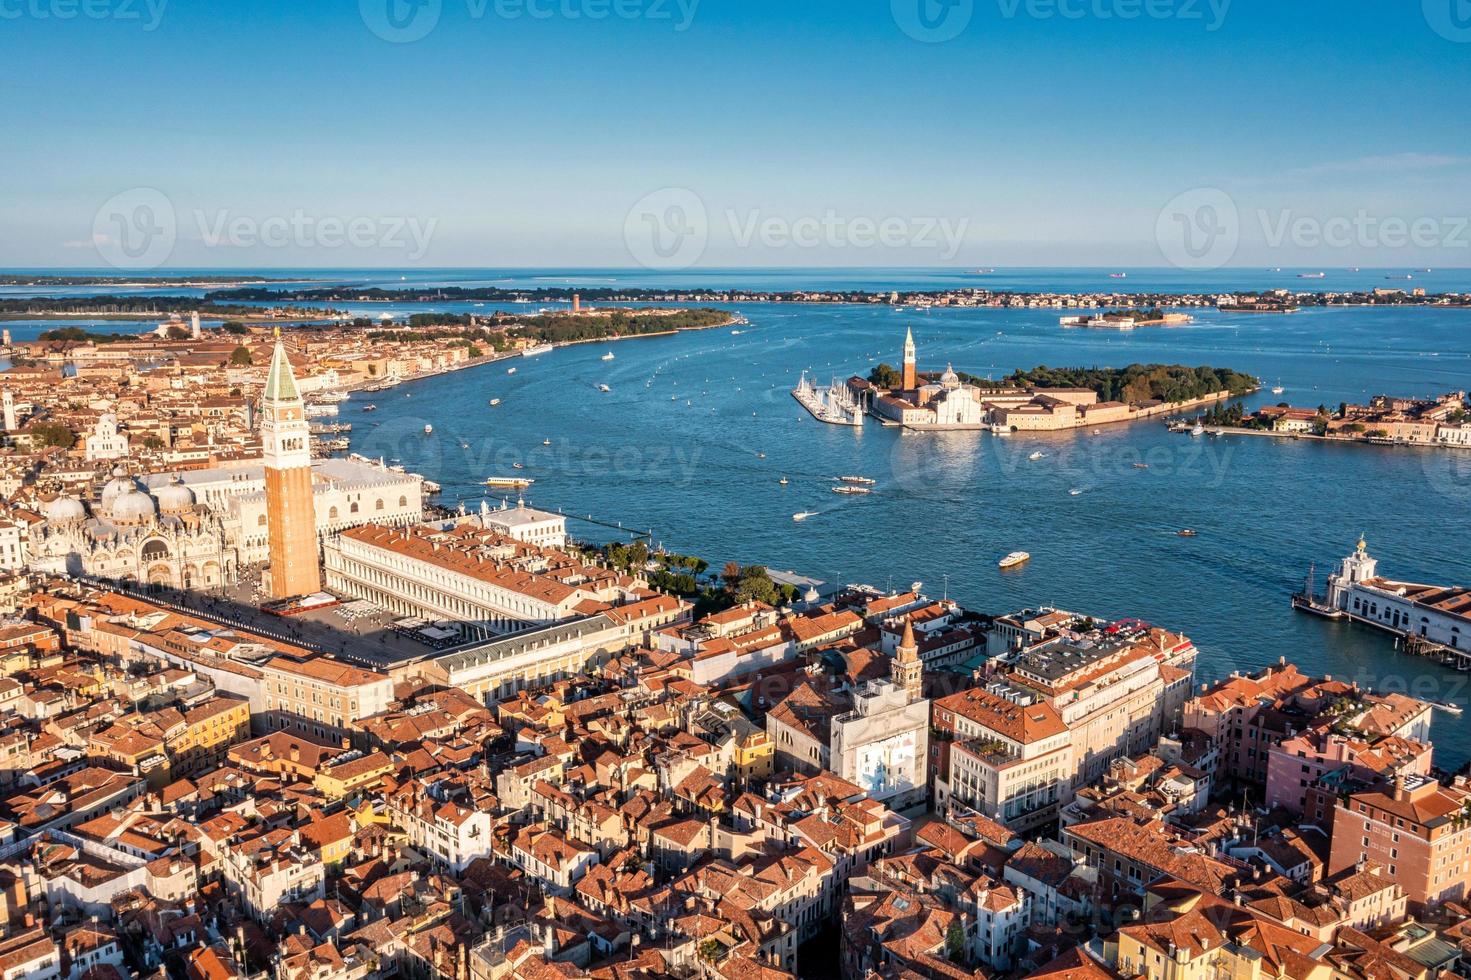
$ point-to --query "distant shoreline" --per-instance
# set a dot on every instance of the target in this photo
(500, 357)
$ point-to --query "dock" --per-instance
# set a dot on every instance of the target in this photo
(835, 406)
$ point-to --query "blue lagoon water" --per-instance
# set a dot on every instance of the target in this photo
(698, 428)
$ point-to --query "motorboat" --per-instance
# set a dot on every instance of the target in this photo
(428, 430)
(861, 481)
(802, 515)
(1014, 560)
(608, 356)
(852, 490)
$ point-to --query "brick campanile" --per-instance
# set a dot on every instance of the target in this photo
(290, 511)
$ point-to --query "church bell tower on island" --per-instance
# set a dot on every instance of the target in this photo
(290, 510)
(909, 379)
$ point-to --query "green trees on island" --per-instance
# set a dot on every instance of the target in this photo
(885, 376)
(1134, 384)
(1139, 383)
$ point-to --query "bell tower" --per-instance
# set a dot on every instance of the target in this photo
(910, 375)
(291, 521)
(907, 670)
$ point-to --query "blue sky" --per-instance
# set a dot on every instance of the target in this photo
(808, 132)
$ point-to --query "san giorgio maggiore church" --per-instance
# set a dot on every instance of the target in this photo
(924, 401)
(197, 529)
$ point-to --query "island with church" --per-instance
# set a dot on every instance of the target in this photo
(1042, 399)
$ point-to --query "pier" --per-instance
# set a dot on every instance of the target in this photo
(835, 406)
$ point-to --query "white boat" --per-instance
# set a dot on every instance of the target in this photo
(1118, 275)
(604, 389)
(802, 515)
(862, 481)
(1312, 275)
(852, 490)
(1014, 560)
(735, 333)
(608, 356)
(510, 370)
(1278, 390)
(546, 442)
(1075, 492)
(428, 430)
(518, 466)
(538, 349)
(783, 481)
(514, 482)
(1198, 430)
(1037, 455)
(370, 408)
(494, 402)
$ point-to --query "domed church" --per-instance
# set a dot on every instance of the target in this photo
(128, 534)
